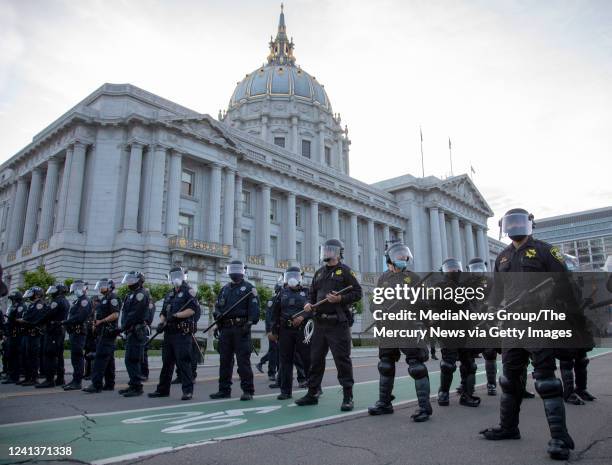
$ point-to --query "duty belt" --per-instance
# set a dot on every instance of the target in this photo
(326, 317)
(227, 322)
(289, 324)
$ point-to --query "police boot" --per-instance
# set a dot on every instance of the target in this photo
(551, 390)
(60, 381)
(221, 395)
(246, 396)
(187, 396)
(311, 398)
(28, 382)
(49, 383)
(284, 396)
(108, 387)
(567, 378)
(176, 381)
(491, 370)
(581, 381)
(468, 398)
(383, 405)
(72, 386)
(156, 394)
(347, 399)
(91, 389)
(133, 392)
(8, 381)
(424, 411)
(123, 391)
(259, 367)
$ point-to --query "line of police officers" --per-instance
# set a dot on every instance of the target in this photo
(322, 311)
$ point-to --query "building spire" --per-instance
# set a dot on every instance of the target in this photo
(281, 48)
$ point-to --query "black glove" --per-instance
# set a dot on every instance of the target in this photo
(216, 333)
(170, 316)
(160, 327)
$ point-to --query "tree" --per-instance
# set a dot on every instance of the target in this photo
(39, 277)
(264, 294)
(159, 291)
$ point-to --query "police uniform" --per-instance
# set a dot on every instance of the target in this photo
(30, 345)
(178, 339)
(287, 303)
(416, 356)
(332, 324)
(15, 333)
(53, 341)
(532, 256)
(271, 357)
(106, 333)
(78, 315)
(133, 323)
(149, 321)
(235, 334)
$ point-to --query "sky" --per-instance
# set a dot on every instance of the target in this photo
(522, 88)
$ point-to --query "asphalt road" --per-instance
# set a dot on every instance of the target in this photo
(450, 437)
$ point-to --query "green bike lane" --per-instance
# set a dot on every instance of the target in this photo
(121, 435)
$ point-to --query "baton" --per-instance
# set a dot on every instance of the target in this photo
(225, 313)
(322, 301)
(198, 346)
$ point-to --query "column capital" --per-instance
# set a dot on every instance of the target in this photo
(290, 194)
(134, 144)
(80, 144)
(216, 165)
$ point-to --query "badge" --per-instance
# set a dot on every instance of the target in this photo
(84, 303)
(531, 253)
(243, 288)
(180, 294)
(303, 294)
(19, 309)
(353, 274)
(130, 296)
(269, 303)
(254, 291)
(555, 252)
(114, 302)
(39, 306)
(407, 279)
(53, 305)
(338, 272)
(139, 296)
(192, 292)
(104, 302)
(503, 259)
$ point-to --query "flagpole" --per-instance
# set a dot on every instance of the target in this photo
(422, 160)
(450, 155)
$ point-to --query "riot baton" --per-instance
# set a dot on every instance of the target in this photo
(225, 313)
(322, 301)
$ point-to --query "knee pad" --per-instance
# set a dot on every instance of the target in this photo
(386, 367)
(417, 370)
(549, 387)
(511, 385)
(582, 362)
(446, 367)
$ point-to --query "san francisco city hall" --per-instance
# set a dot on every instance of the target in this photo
(127, 180)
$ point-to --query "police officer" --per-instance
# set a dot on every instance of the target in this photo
(332, 327)
(56, 311)
(528, 254)
(75, 324)
(398, 258)
(105, 330)
(272, 356)
(241, 297)
(32, 320)
(144, 368)
(133, 324)
(14, 334)
(178, 322)
(289, 330)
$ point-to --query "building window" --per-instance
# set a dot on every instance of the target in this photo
(298, 252)
(327, 156)
(246, 242)
(187, 183)
(298, 217)
(305, 148)
(246, 202)
(321, 225)
(193, 278)
(280, 141)
(274, 210)
(274, 247)
(186, 226)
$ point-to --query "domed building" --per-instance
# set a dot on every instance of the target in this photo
(281, 103)
(127, 180)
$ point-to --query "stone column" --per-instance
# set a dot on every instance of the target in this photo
(156, 200)
(436, 248)
(443, 238)
(18, 215)
(264, 231)
(264, 127)
(354, 238)
(75, 188)
(132, 191)
(291, 227)
(338, 163)
(214, 203)
(294, 136)
(314, 233)
(386, 234)
(469, 243)
(45, 228)
(483, 247)
(173, 199)
(335, 223)
(457, 253)
(238, 218)
(63, 197)
(29, 231)
(371, 244)
(228, 206)
(321, 134)
(415, 231)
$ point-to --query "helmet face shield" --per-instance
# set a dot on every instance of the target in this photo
(176, 277)
(102, 286)
(293, 278)
(51, 290)
(400, 256)
(516, 225)
(78, 288)
(329, 252)
(130, 279)
(235, 268)
(452, 265)
(28, 294)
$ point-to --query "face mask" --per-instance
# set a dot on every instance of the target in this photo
(292, 282)
(177, 282)
(79, 292)
(400, 264)
(518, 238)
(236, 277)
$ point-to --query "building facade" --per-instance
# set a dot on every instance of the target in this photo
(127, 180)
(586, 235)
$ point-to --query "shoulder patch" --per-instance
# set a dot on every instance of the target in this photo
(338, 272)
(254, 291)
(84, 303)
(408, 280)
(104, 302)
(530, 253)
(39, 306)
(114, 302)
(192, 292)
(556, 253)
(53, 304)
(180, 294)
(243, 288)
(503, 259)
(139, 296)
(353, 274)
(269, 303)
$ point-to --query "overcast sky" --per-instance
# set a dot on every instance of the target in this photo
(522, 88)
